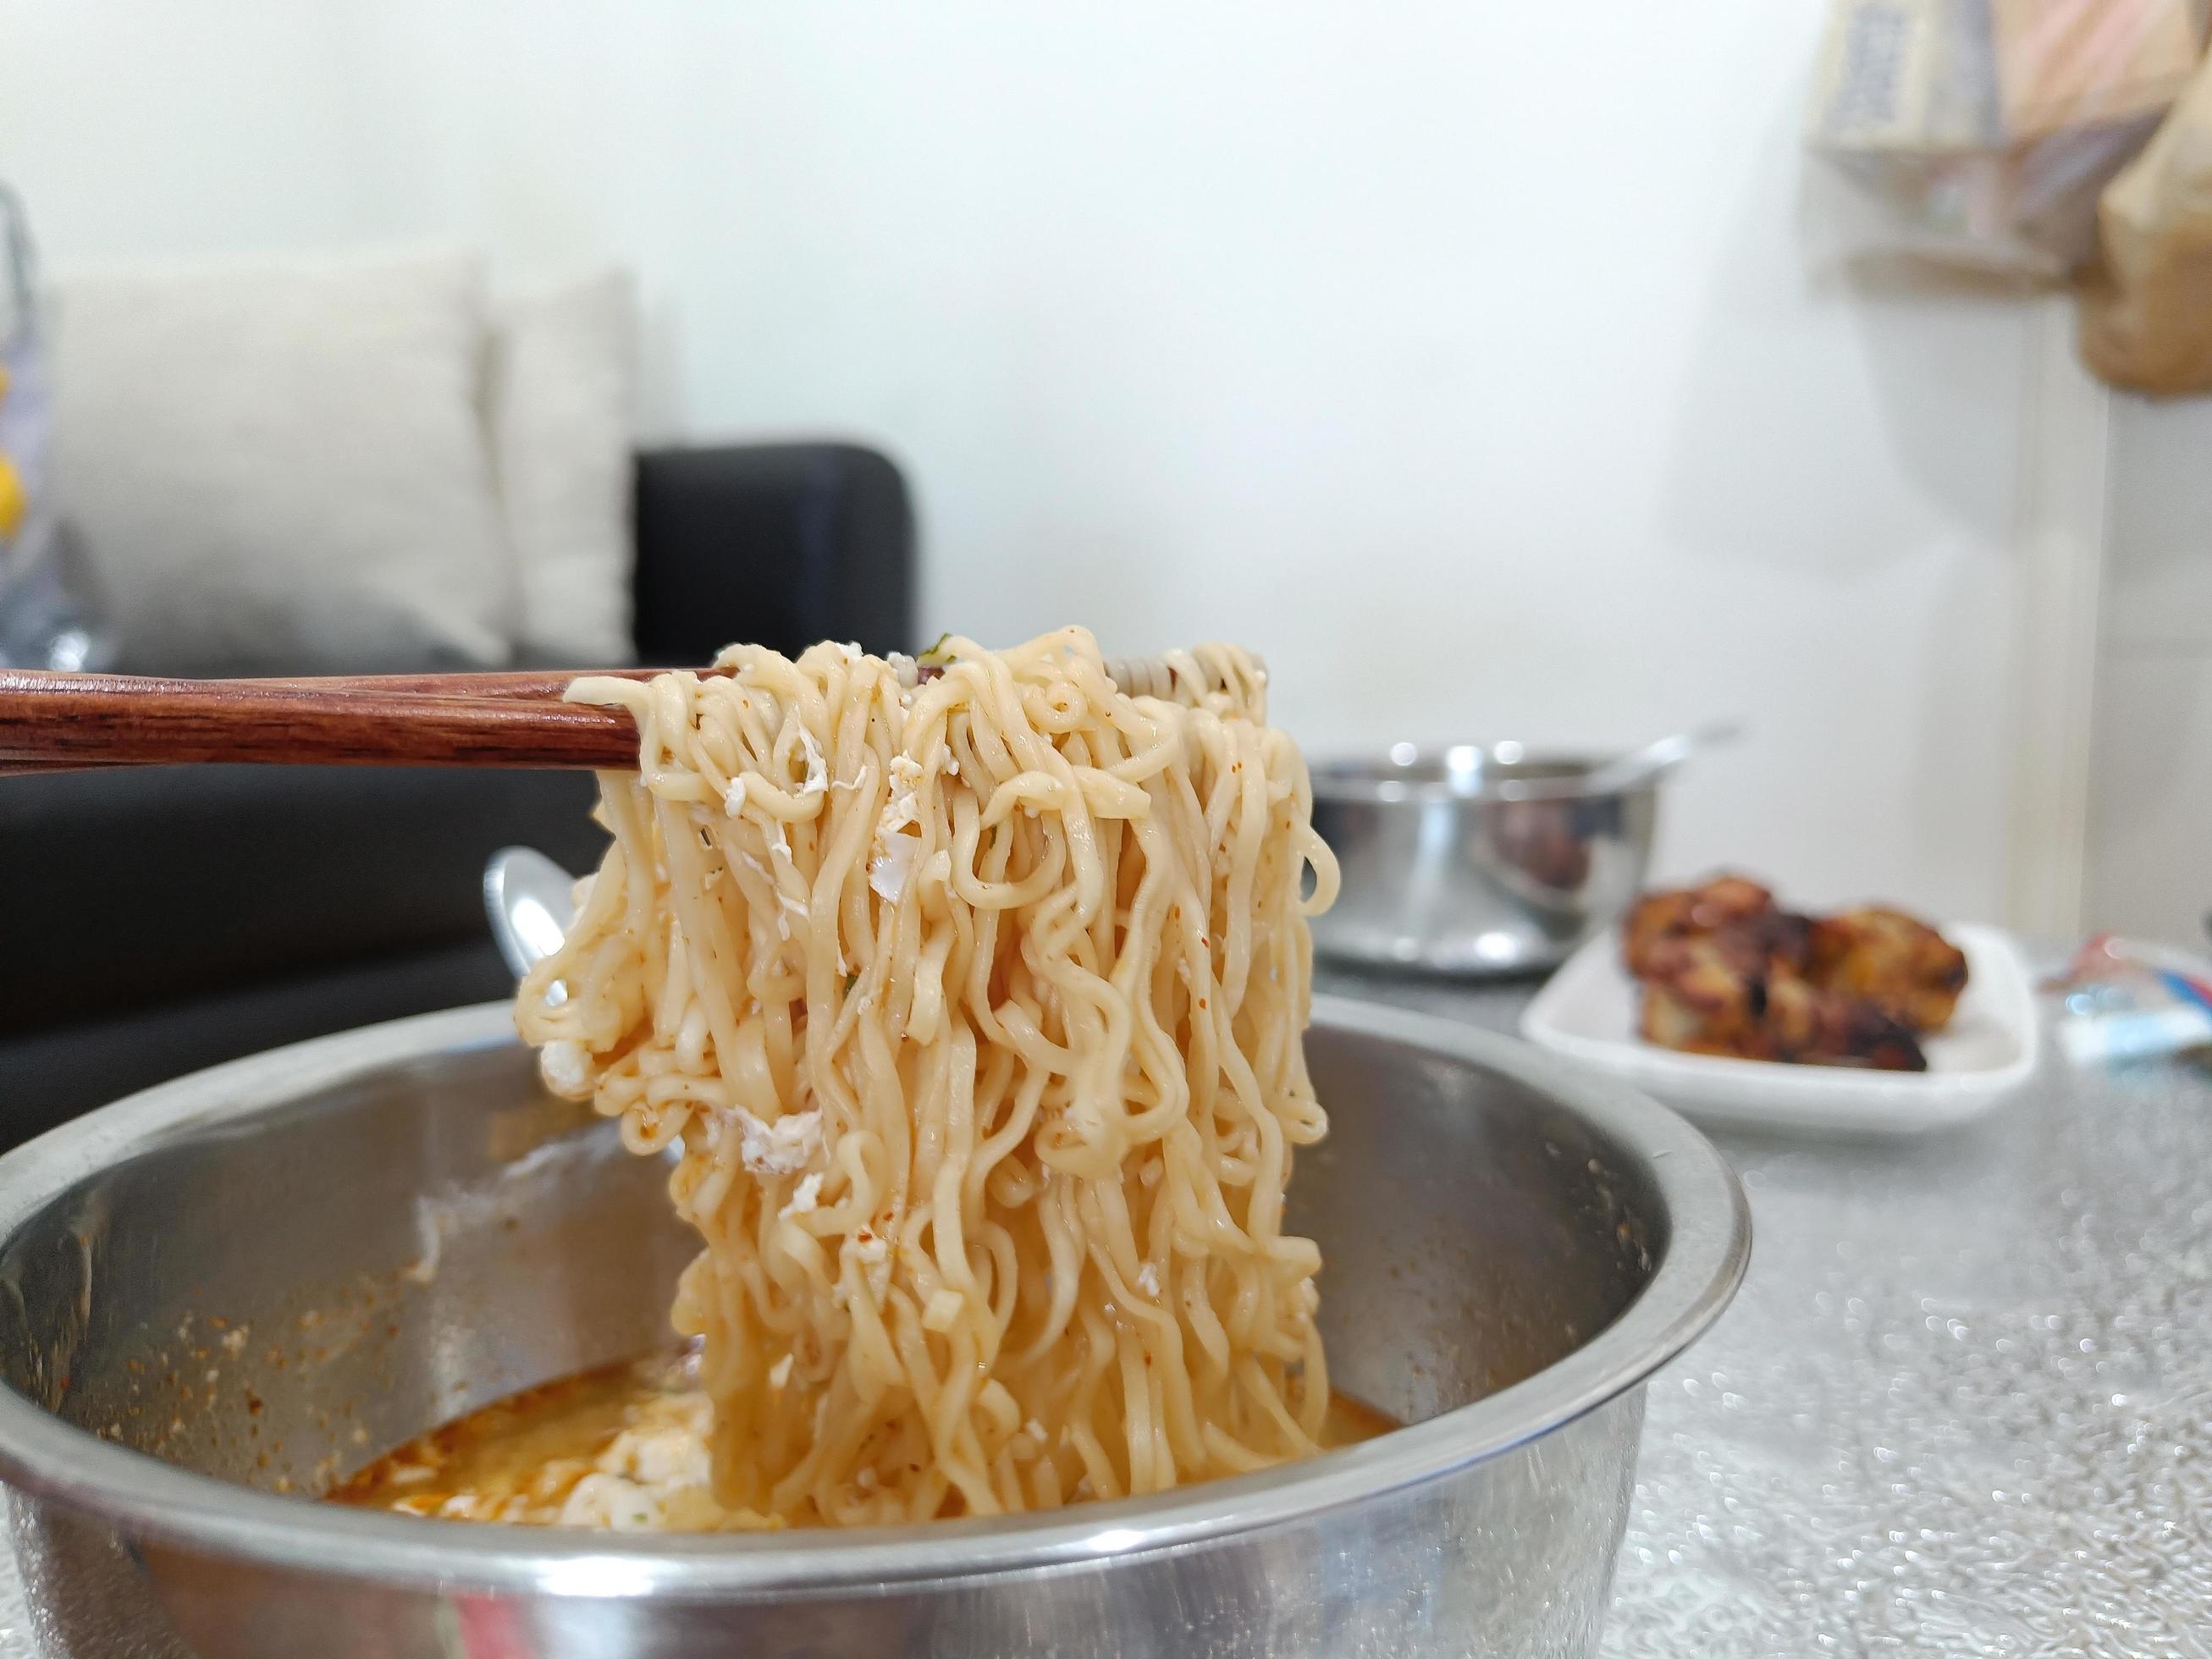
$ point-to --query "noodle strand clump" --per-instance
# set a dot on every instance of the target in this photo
(974, 1008)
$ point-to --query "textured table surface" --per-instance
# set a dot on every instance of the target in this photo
(1962, 1405)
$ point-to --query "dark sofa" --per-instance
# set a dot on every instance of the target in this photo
(158, 919)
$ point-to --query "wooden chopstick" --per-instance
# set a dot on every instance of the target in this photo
(523, 686)
(50, 721)
(55, 721)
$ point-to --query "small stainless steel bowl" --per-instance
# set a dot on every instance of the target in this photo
(1469, 861)
(252, 1280)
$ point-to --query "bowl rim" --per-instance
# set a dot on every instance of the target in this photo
(1702, 1261)
(1346, 779)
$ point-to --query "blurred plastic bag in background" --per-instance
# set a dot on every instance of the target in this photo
(1979, 133)
(49, 612)
(2146, 310)
(2125, 999)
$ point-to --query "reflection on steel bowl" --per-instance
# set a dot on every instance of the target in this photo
(224, 1295)
(1470, 861)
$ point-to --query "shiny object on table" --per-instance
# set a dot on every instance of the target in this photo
(1468, 861)
(273, 1271)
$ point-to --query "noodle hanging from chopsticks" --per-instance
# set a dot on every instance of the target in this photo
(975, 1009)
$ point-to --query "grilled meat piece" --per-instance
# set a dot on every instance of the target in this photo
(1900, 964)
(1727, 971)
(1705, 996)
(1817, 1027)
(1688, 913)
(1726, 993)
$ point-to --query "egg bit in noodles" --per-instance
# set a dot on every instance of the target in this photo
(975, 1006)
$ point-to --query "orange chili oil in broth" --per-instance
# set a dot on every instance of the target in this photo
(520, 1458)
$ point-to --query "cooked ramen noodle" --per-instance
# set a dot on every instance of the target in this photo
(971, 1001)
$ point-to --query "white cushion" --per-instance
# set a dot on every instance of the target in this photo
(562, 379)
(284, 466)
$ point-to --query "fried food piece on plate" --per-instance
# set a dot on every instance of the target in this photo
(1726, 970)
(1739, 991)
(1817, 1027)
(1704, 996)
(1688, 913)
(1896, 962)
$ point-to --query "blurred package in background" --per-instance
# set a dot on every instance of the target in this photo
(2146, 308)
(1979, 133)
(2123, 1000)
(50, 616)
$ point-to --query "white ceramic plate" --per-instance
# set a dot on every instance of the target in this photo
(1587, 1012)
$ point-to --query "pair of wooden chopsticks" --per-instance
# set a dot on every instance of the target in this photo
(58, 722)
(53, 721)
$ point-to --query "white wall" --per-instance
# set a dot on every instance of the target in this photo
(2150, 831)
(1459, 357)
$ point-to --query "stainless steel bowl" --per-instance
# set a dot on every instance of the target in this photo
(266, 1274)
(1458, 861)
